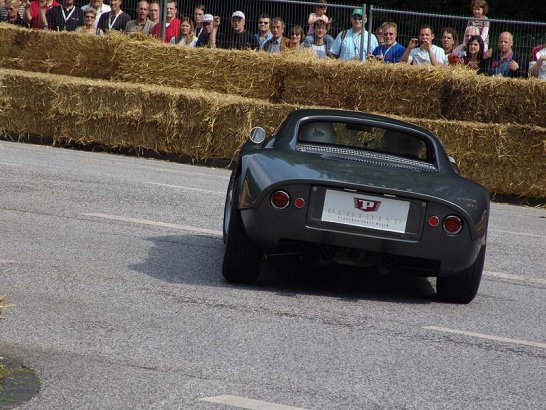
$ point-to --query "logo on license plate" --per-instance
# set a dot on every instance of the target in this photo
(367, 205)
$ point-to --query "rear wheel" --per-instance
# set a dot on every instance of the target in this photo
(462, 287)
(242, 258)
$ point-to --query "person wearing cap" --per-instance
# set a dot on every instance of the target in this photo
(239, 38)
(427, 53)
(172, 24)
(348, 42)
(207, 37)
(278, 42)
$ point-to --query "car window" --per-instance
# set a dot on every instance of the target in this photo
(362, 136)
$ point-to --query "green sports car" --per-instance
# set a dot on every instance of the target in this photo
(360, 189)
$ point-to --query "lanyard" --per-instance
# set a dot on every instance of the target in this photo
(110, 22)
(69, 14)
(498, 63)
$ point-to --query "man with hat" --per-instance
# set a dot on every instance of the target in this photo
(207, 36)
(238, 37)
(348, 43)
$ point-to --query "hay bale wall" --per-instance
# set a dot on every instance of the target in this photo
(120, 115)
(507, 159)
(453, 94)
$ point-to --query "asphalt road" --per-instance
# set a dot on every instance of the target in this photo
(114, 266)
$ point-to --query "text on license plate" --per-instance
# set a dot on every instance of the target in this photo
(367, 211)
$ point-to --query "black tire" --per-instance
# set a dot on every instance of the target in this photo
(242, 258)
(463, 287)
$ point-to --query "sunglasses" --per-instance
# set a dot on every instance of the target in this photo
(236, 18)
(89, 17)
(263, 22)
(207, 23)
(357, 17)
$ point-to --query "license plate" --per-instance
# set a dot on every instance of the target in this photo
(367, 211)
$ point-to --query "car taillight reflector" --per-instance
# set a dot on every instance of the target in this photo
(299, 202)
(452, 224)
(280, 199)
(433, 221)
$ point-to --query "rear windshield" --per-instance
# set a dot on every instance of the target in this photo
(364, 137)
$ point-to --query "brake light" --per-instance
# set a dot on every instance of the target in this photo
(299, 202)
(280, 199)
(433, 221)
(452, 224)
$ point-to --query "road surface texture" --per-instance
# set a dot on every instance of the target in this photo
(114, 265)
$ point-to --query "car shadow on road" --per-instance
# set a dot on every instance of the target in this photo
(197, 260)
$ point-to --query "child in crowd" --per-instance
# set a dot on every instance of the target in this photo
(319, 14)
(480, 20)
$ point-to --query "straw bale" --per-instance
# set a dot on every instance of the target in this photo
(57, 52)
(471, 97)
(506, 158)
(396, 89)
(240, 72)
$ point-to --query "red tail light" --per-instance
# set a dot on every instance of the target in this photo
(452, 224)
(280, 199)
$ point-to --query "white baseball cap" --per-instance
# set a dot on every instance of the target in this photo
(238, 14)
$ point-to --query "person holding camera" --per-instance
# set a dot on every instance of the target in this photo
(422, 51)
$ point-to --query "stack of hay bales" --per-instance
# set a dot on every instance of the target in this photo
(202, 102)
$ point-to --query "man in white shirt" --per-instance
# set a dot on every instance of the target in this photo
(347, 43)
(427, 53)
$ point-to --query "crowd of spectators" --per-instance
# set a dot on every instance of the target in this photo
(204, 29)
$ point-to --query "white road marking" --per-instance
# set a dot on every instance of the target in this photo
(188, 188)
(515, 277)
(13, 165)
(155, 223)
(6, 261)
(488, 337)
(245, 403)
(531, 235)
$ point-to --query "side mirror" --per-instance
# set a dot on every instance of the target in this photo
(257, 135)
(454, 165)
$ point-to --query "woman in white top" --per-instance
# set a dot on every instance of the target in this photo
(186, 37)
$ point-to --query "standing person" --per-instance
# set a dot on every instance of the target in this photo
(208, 35)
(319, 14)
(379, 35)
(391, 51)
(450, 40)
(13, 17)
(278, 42)
(36, 10)
(480, 20)
(426, 53)
(64, 18)
(347, 43)
(172, 23)
(264, 32)
(153, 13)
(504, 61)
(142, 23)
(537, 66)
(459, 52)
(198, 14)
(116, 19)
(239, 38)
(474, 54)
(320, 45)
(99, 7)
(89, 17)
(187, 36)
(296, 37)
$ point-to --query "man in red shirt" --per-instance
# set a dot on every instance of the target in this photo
(35, 11)
(172, 24)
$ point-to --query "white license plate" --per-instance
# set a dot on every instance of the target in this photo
(367, 211)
